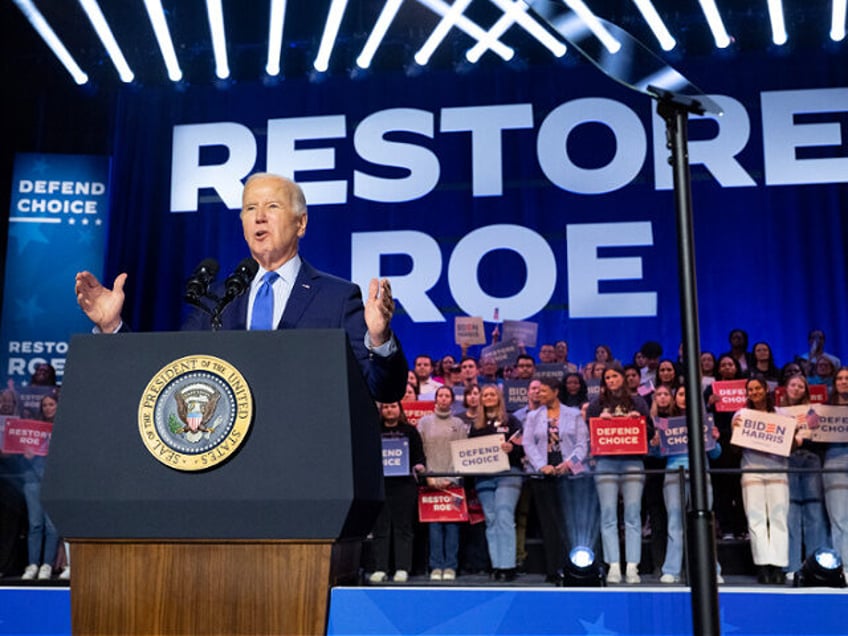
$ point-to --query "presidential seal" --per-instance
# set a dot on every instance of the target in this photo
(195, 412)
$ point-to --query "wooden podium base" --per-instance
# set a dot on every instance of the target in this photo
(198, 588)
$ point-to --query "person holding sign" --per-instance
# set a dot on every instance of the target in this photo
(807, 518)
(730, 512)
(623, 475)
(836, 483)
(402, 448)
(673, 562)
(438, 429)
(499, 493)
(556, 442)
(765, 495)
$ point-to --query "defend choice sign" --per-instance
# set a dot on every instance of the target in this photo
(832, 424)
(479, 455)
(618, 435)
(731, 395)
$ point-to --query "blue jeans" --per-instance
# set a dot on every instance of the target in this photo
(581, 510)
(499, 496)
(444, 545)
(675, 507)
(807, 522)
(41, 529)
(630, 486)
(836, 497)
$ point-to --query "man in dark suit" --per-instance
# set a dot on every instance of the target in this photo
(287, 292)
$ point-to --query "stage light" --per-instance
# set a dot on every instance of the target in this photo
(275, 37)
(163, 38)
(101, 27)
(722, 40)
(331, 32)
(837, 26)
(460, 21)
(387, 15)
(52, 40)
(778, 24)
(515, 12)
(591, 20)
(219, 40)
(582, 569)
(650, 15)
(823, 568)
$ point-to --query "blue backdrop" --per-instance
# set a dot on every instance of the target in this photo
(539, 191)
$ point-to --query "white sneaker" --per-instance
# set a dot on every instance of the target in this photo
(436, 575)
(614, 574)
(45, 572)
(719, 579)
(377, 577)
(401, 576)
(669, 578)
(448, 575)
(790, 577)
(66, 573)
(30, 572)
(631, 575)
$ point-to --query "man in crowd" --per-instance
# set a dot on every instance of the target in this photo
(423, 370)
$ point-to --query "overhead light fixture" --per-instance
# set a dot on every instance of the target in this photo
(101, 27)
(837, 26)
(778, 24)
(591, 20)
(660, 31)
(823, 568)
(275, 37)
(582, 569)
(219, 40)
(515, 12)
(331, 32)
(387, 15)
(460, 21)
(722, 40)
(43, 28)
(163, 38)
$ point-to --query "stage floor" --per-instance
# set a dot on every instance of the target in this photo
(472, 606)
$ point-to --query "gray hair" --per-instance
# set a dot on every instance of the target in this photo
(298, 199)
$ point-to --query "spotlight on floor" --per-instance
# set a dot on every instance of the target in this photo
(582, 569)
(823, 568)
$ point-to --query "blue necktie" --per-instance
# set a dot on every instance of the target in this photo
(263, 304)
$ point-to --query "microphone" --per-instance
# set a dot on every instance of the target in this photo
(239, 281)
(234, 286)
(198, 283)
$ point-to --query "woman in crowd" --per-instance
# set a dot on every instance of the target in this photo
(470, 406)
(393, 530)
(573, 390)
(603, 354)
(708, 369)
(663, 405)
(836, 483)
(824, 373)
(556, 444)
(499, 492)
(765, 495)
(42, 537)
(667, 375)
(807, 520)
(411, 394)
(729, 509)
(443, 367)
(764, 365)
(674, 504)
(438, 429)
(625, 478)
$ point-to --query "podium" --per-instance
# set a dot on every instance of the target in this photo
(250, 544)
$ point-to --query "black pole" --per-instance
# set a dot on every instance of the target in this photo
(701, 535)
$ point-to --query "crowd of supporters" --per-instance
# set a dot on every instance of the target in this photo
(785, 507)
